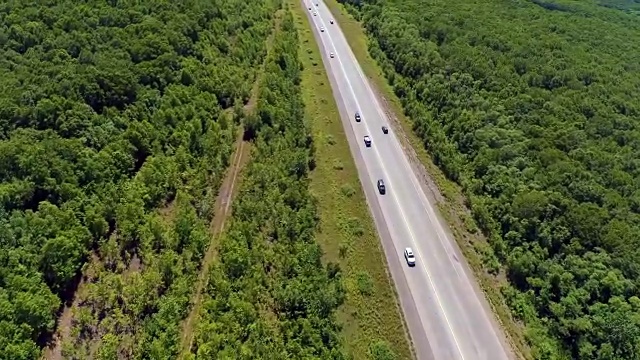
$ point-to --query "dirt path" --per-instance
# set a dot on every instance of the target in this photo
(65, 321)
(64, 328)
(221, 213)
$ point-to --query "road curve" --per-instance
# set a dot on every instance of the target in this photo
(447, 316)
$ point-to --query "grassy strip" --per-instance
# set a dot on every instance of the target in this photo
(370, 314)
(452, 207)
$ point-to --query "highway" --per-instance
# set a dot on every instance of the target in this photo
(446, 314)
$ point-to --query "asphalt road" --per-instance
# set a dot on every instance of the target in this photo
(446, 314)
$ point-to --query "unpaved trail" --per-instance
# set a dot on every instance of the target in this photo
(65, 321)
(222, 207)
(221, 213)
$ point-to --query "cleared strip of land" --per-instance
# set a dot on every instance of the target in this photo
(222, 210)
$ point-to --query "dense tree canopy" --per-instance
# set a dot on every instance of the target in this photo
(532, 107)
(109, 110)
(271, 297)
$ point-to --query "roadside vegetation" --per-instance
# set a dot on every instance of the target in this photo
(370, 315)
(115, 132)
(270, 296)
(537, 123)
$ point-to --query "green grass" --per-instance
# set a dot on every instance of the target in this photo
(347, 234)
(452, 207)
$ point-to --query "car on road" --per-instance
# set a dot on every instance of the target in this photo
(314, 13)
(331, 21)
(358, 118)
(409, 256)
(381, 188)
(309, 7)
(385, 129)
(316, 4)
(367, 141)
(321, 28)
(331, 55)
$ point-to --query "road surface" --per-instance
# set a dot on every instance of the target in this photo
(447, 317)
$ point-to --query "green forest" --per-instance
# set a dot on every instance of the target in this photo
(117, 120)
(270, 296)
(532, 106)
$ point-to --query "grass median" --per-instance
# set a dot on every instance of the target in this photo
(371, 317)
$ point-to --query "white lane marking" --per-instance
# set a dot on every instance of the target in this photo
(404, 218)
(423, 200)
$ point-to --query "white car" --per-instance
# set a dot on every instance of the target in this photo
(314, 13)
(322, 29)
(367, 141)
(331, 55)
(408, 255)
(331, 21)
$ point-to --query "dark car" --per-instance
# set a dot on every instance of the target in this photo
(381, 187)
(358, 118)
(385, 129)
